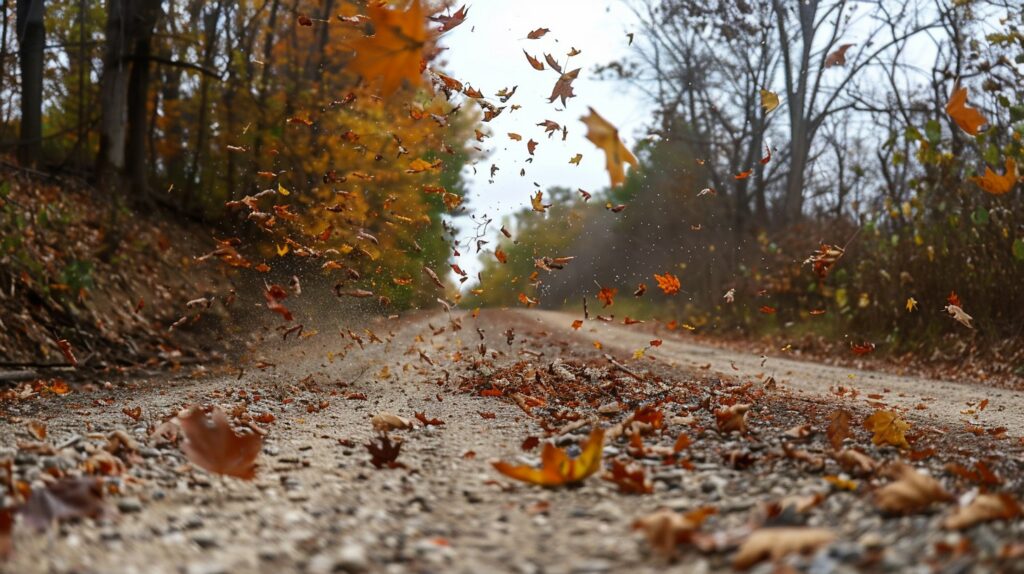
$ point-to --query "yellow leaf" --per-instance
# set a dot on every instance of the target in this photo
(282, 191)
(769, 100)
(575, 160)
(888, 428)
(911, 304)
(605, 136)
(556, 468)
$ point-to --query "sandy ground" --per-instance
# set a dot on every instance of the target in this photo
(318, 506)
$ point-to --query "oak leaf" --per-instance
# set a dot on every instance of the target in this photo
(557, 469)
(605, 136)
(563, 87)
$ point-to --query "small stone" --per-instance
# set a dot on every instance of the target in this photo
(129, 505)
(205, 541)
(350, 558)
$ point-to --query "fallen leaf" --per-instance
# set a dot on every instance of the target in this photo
(606, 137)
(210, 443)
(911, 492)
(557, 469)
(384, 452)
(838, 428)
(775, 543)
(733, 418)
(65, 499)
(629, 477)
(386, 421)
(888, 428)
(666, 529)
(984, 508)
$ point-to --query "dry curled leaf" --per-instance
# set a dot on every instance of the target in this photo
(557, 469)
(63, 500)
(775, 543)
(838, 427)
(984, 508)
(838, 56)
(732, 418)
(387, 421)
(210, 443)
(910, 492)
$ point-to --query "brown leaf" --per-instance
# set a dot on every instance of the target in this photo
(838, 56)
(386, 421)
(383, 452)
(855, 462)
(732, 418)
(534, 62)
(888, 427)
(838, 427)
(665, 529)
(210, 443)
(63, 500)
(538, 33)
(394, 54)
(911, 492)
(606, 137)
(776, 543)
(563, 87)
(630, 478)
(984, 508)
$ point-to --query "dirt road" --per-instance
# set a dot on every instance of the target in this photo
(318, 506)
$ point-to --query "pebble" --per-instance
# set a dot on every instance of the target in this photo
(206, 541)
(129, 505)
(349, 558)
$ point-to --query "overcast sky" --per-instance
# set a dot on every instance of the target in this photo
(487, 52)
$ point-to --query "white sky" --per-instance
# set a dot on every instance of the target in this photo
(487, 52)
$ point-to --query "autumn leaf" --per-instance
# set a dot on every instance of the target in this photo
(838, 56)
(384, 452)
(563, 87)
(668, 283)
(395, 52)
(500, 255)
(969, 119)
(775, 543)
(557, 469)
(984, 508)
(576, 159)
(733, 418)
(274, 294)
(666, 530)
(997, 184)
(449, 22)
(629, 477)
(210, 443)
(606, 137)
(69, 353)
(537, 202)
(534, 62)
(824, 259)
(769, 100)
(911, 492)
(911, 304)
(386, 421)
(607, 296)
(537, 34)
(888, 428)
(959, 315)
(576, 324)
(66, 499)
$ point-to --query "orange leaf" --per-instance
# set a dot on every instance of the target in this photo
(212, 444)
(557, 469)
(668, 283)
(969, 119)
(997, 184)
(888, 427)
(396, 50)
(607, 296)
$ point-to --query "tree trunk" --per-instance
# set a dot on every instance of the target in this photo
(114, 94)
(138, 98)
(31, 42)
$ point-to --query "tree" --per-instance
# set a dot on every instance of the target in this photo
(31, 43)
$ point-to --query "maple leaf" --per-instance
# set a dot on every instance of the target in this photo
(607, 296)
(911, 492)
(563, 87)
(776, 543)
(838, 56)
(838, 427)
(449, 22)
(557, 469)
(668, 283)
(210, 443)
(911, 304)
(888, 428)
(984, 508)
(969, 119)
(537, 202)
(394, 54)
(769, 100)
(606, 137)
(997, 184)
(666, 529)
(383, 452)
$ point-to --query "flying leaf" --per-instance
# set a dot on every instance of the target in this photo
(997, 184)
(563, 87)
(957, 313)
(668, 283)
(838, 428)
(824, 259)
(449, 22)
(911, 304)
(537, 202)
(576, 159)
(394, 54)
(605, 136)
(538, 33)
(984, 508)
(838, 56)
(969, 119)
(911, 492)
(557, 469)
(775, 543)
(607, 296)
(888, 428)
(733, 418)
(212, 444)
(384, 452)
(769, 100)
(537, 64)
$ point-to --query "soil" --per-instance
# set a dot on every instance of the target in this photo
(318, 505)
